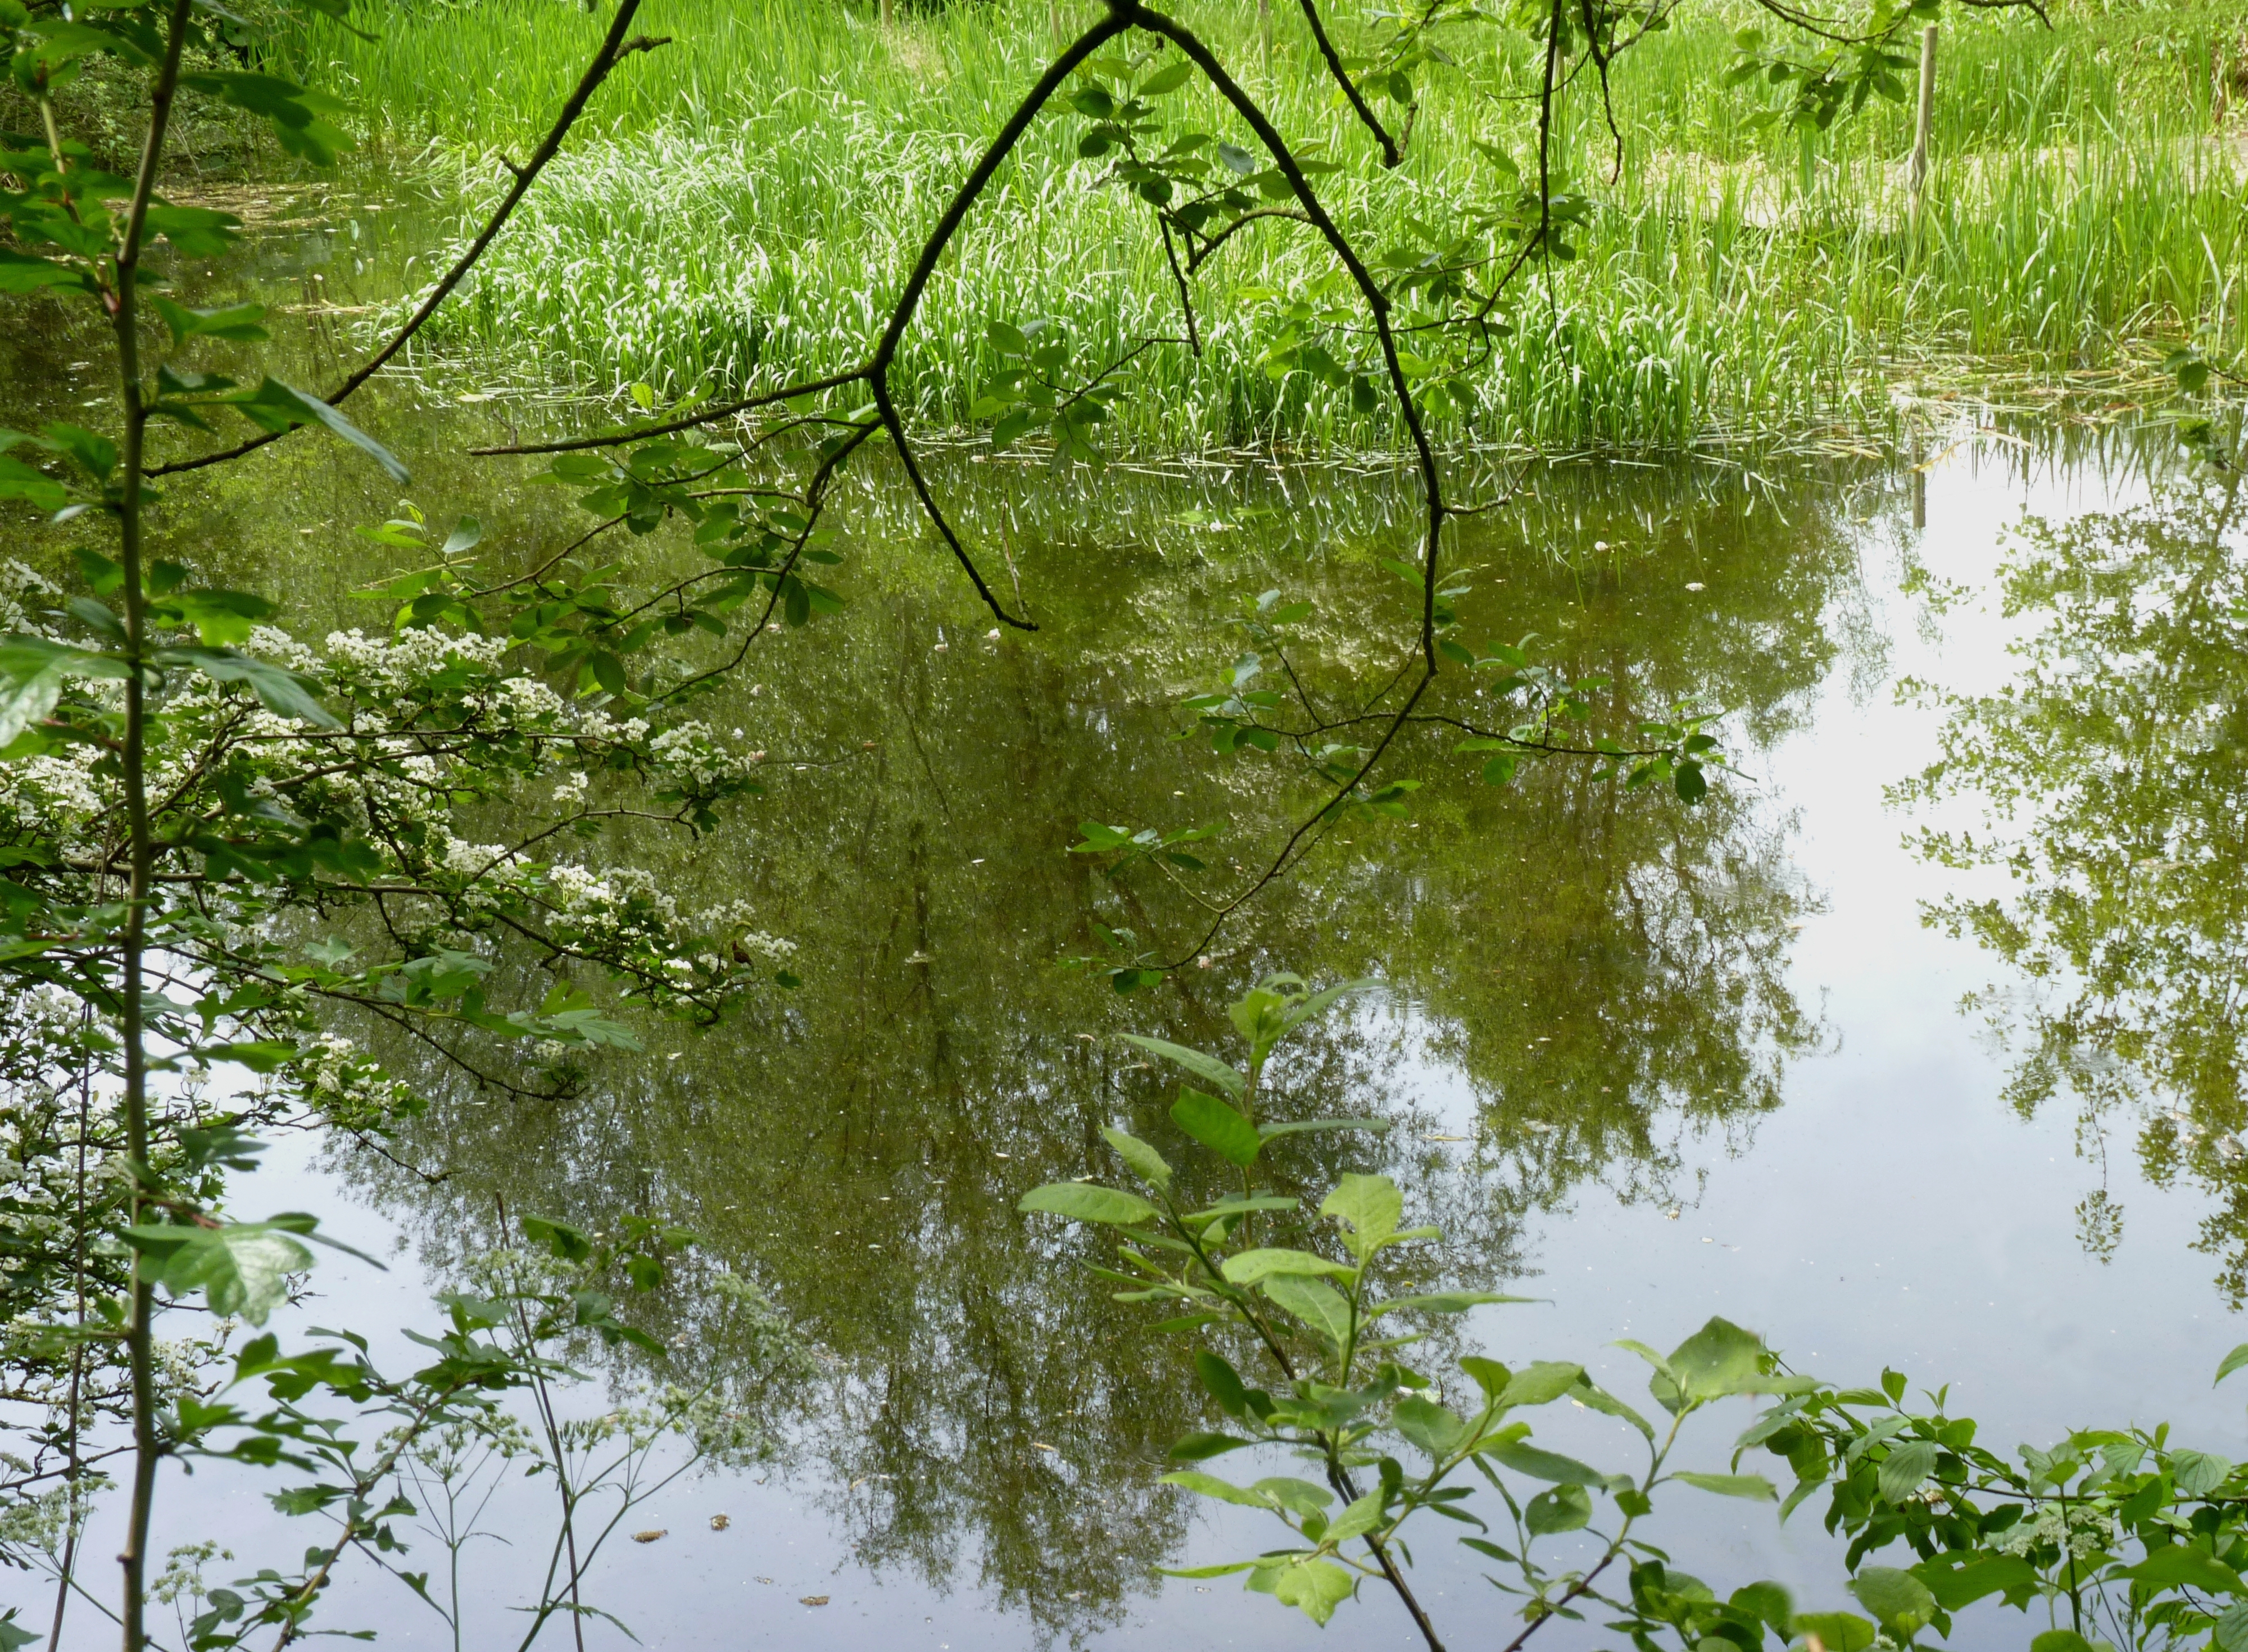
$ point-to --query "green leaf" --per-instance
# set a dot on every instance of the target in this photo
(221, 617)
(1371, 1205)
(241, 1267)
(1767, 1602)
(1434, 1429)
(1904, 1469)
(239, 323)
(1314, 1588)
(2232, 1627)
(1564, 1508)
(1900, 1602)
(1837, 1631)
(1224, 1570)
(1145, 1162)
(1088, 1202)
(21, 272)
(1167, 78)
(281, 691)
(1197, 1446)
(1540, 1383)
(1541, 1464)
(1223, 1382)
(2060, 1641)
(2183, 1566)
(2232, 1362)
(275, 406)
(13, 1635)
(1252, 1267)
(2198, 1473)
(33, 671)
(1593, 1398)
(1208, 1068)
(1217, 1127)
(1754, 1487)
(1314, 1301)
(1210, 1485)
(1720, 1359)
(1954, 1587)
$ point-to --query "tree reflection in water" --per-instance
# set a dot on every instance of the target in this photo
(2112, 771)
(1602, 972)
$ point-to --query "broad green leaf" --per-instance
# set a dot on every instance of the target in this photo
(1314, 1588)
(1223, 1382)
(2198, 1473)
(1217, 1127)
(1954, 1587)
(1248, 1267)
(1562, 1508)
(2183, 1566)
(1900, 1602)
(2232, 1362)
(1145, 1162)
(1837, 1631)
(1314, 1301)
(1905, 1468)
(222, 618)
(1767, 1602)
(1491, 1377)
(1088, 1202)
(1541, 1383)
(1167, 78)
(282, 692)
(1298, 1497)
(1434, 1429)
(1208, 1068)
(2232, 1627)
(1371, 1205)
(2060, 1641)
(1365, 1515)
(1754, 1487)
(32, 672)
(1196, 1446)
(1720, 1359)
(240, 323)
(241, 1267)
(20, 273)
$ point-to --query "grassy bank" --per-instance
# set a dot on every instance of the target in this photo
(747, 201)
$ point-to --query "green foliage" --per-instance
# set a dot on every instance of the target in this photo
(2073, 185)
(2137, 1541)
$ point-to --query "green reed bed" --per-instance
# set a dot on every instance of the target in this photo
(747, 202)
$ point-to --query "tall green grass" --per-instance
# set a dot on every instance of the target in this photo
(745, 204)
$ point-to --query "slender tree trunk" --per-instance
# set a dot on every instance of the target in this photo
(1918, 175)
(125, 313)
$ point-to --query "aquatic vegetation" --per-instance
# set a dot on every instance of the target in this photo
(751, 208)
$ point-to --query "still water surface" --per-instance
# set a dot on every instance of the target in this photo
(1645, 1063)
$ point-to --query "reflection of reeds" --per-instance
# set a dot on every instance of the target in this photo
(761, 184)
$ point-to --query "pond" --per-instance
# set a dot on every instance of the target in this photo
(1937, 1073)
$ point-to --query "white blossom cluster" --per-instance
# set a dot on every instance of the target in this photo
(2088, 1531)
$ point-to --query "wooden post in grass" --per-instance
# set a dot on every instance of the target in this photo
(1918, 175)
